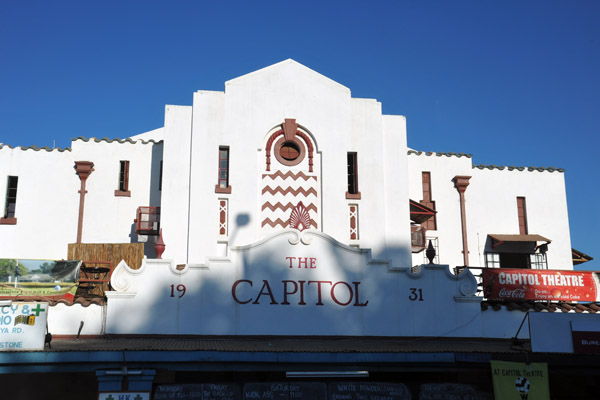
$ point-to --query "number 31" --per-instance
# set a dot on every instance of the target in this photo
(414, 296)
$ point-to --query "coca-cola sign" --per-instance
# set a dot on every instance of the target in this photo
(528, 284)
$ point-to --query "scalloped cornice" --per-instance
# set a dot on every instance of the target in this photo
(107, 140)
(512, 167)
(439, 154)
(35, 148)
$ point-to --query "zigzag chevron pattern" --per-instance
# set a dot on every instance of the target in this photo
(283, 224)
(279, 189)
(279, 206)
(289, 174)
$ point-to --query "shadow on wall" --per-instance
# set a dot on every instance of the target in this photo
(269, 300)
(149, 243)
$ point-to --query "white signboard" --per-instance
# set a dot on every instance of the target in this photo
(292, 283)
(23, 326)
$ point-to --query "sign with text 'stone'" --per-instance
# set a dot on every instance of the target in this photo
(528, 284)
(23, 326)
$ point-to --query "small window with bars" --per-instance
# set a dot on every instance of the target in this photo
(123, 188)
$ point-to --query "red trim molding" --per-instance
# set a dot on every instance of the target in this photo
(291, 133)
(120, 193)
(289, 174)
(8, 221)
(289, 163)
(288, 190)
(353, 196)
(219, 189)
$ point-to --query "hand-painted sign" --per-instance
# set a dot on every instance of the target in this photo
(341, 293)
(38, 278)
(368, 391)
(528, 284)
(520, 381)
(23, 326)
(451, 391)
(285, 390)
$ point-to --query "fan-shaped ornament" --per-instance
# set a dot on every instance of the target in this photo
(299, 218)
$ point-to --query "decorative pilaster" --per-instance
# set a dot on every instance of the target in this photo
(461, 183)
(83, 169)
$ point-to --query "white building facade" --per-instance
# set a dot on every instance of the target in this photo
(285, 106)
(287, 208)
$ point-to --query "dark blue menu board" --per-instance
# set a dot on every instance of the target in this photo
(199, 391)
(285, 391)
(368, 391)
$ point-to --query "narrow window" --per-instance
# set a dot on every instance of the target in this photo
(160, 176)
(431, 223)
(123, 189)
(223, 179)
(352, 165)
(10, 201)
(522, 211)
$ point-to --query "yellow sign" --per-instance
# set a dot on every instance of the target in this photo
(520, 381)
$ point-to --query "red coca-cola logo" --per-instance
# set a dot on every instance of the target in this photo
(513, 294)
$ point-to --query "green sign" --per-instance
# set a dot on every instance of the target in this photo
(520, 381)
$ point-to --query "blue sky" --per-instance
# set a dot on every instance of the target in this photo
(511, 82)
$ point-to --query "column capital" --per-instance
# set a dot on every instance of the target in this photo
(84, 169)
(461, 182)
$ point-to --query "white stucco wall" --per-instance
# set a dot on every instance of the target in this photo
(47, 207)
(242, 116)
(47, 203)
(491, 206)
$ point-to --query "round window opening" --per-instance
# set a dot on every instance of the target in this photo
(289, 151)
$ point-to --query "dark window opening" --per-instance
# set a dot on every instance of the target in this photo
(11, 197)
(160, 176)
(290, 151)
(516, 260)
(352, 173)
(223, 167)
(124, 176)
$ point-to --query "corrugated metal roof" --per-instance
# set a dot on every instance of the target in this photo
(541, 306)
(285, 345)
